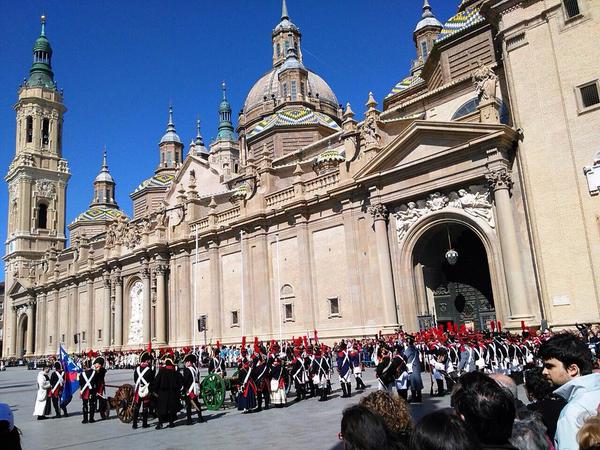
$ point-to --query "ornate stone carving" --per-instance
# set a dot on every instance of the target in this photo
(474, 201)
(499, 179)
(378, 211)
(369, 132)
(485, 81)
(123, 232)
(145, 272)
(45, 188)
(136, 318)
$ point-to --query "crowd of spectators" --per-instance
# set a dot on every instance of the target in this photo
(561, 410)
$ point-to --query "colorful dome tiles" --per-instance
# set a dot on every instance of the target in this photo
(406, 83)
(100, 213)
(461, 21)
(160, 180)
(294, 116)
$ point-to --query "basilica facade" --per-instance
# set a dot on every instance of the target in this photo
(468, 194)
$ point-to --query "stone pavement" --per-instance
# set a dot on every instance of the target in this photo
(306, 425)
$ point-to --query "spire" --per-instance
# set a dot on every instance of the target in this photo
(284, 11)
(426, 10)
(199, 140)
(427, 18)
(225, 126)
(104, 165)
(41, 73)
(170, 135)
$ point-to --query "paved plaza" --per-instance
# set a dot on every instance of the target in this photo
(306, 425)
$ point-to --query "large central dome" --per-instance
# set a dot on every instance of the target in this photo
(268, 85)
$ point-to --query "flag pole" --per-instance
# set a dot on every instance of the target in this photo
(194, 274)
(242, 275)
(278, 289)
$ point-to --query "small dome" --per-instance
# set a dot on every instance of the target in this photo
(170, 136)
(42, 45)
(291, 61)
(105, 177)
(268, 85)
(329, 159)
(285, 25)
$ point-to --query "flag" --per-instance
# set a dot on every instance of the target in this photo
(71, 371)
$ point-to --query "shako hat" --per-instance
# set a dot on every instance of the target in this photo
(168, 359)
(145, 357)
(191, 358)
(99, 360)
(57, 365)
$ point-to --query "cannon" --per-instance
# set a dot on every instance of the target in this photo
(212, 391)
(122, 403)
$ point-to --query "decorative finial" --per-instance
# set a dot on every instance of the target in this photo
(426, 9)
(348, 113)
(170, 115)
(284, 11)
(371, 102)
(224, 89)
(104, 164)
(199, 140)
(43, 20)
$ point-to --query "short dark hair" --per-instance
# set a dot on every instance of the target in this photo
(568, 349)
(364, 430)
(442, 431)
(487, 409)
(537, 384)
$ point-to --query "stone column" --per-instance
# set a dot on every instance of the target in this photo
(91, 332)
(161, 305)
(30, 327)
(145, 273)
(185, 311)
(380, 215)
(106, 315)
(118, 281)
(501, 183)
(307, 297)
(57, 339)
(13, 332)
(71, 308)
(42, 324)
(216, 322)
(423, 307)
(39, 319)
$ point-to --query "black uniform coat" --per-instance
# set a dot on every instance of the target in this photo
(167, 385)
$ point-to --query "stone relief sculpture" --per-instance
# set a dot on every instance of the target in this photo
(475, 201)
(370, 133)
(485, 82)
(136, 296)
(45, 188)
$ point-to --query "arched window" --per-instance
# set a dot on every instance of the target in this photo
(42, 216)
(45, 131)
(278, 49)
(287, 302)
(470, 107)
(235, 168)
(29, 128)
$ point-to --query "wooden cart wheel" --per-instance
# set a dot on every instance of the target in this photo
(212, 390)
(124, 403)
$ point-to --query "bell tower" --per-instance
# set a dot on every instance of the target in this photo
(38, 175)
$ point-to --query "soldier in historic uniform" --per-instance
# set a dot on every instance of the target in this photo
(344, 369)
(413, 363)
(87, 391)
(278, 376)
(387, 370)
(357, 368)
(101, 398)
(319, 370)
(167, 388)
(191, 388)
(216, 363)
(297, 370)
(261, 377)
(57, 381)
(143, 377)
(246, 400)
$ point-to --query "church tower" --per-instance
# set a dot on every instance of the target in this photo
(37, 182)
(224, 151)
(38, 175)
(425, 34)
(286, 35)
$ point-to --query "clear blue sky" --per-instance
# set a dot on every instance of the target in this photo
(120, 63)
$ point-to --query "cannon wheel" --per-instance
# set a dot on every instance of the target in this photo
(123, 401)
(212, 391)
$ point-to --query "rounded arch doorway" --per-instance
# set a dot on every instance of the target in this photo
(452, 287)
(22, 335)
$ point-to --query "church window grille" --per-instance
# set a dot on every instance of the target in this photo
(294, 90)
(29, 129)
(45, 131)
(62, 338)
(289, 311)
(334, 307)
(50, 339)
(589, 94)
(302, 89)
(285, 90)
(571, 8)
(424, 50)
(287, 45)
(278, 49)
(83, 336)
(235, 319)
(42, 216)
(99, 334)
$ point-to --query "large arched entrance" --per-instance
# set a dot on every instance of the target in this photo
(22, 335)
(457, 291)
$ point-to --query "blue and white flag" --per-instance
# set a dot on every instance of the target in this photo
(71, 371)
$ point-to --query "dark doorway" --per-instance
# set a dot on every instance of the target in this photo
(459, 293)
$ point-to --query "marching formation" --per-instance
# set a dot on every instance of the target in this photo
(264, 375)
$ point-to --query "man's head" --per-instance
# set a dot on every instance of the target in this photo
(565, 357)
(507, 383)
(487, 409)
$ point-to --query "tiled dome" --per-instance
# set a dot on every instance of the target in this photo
(163, 180)
(100, 213)
(291, 116)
